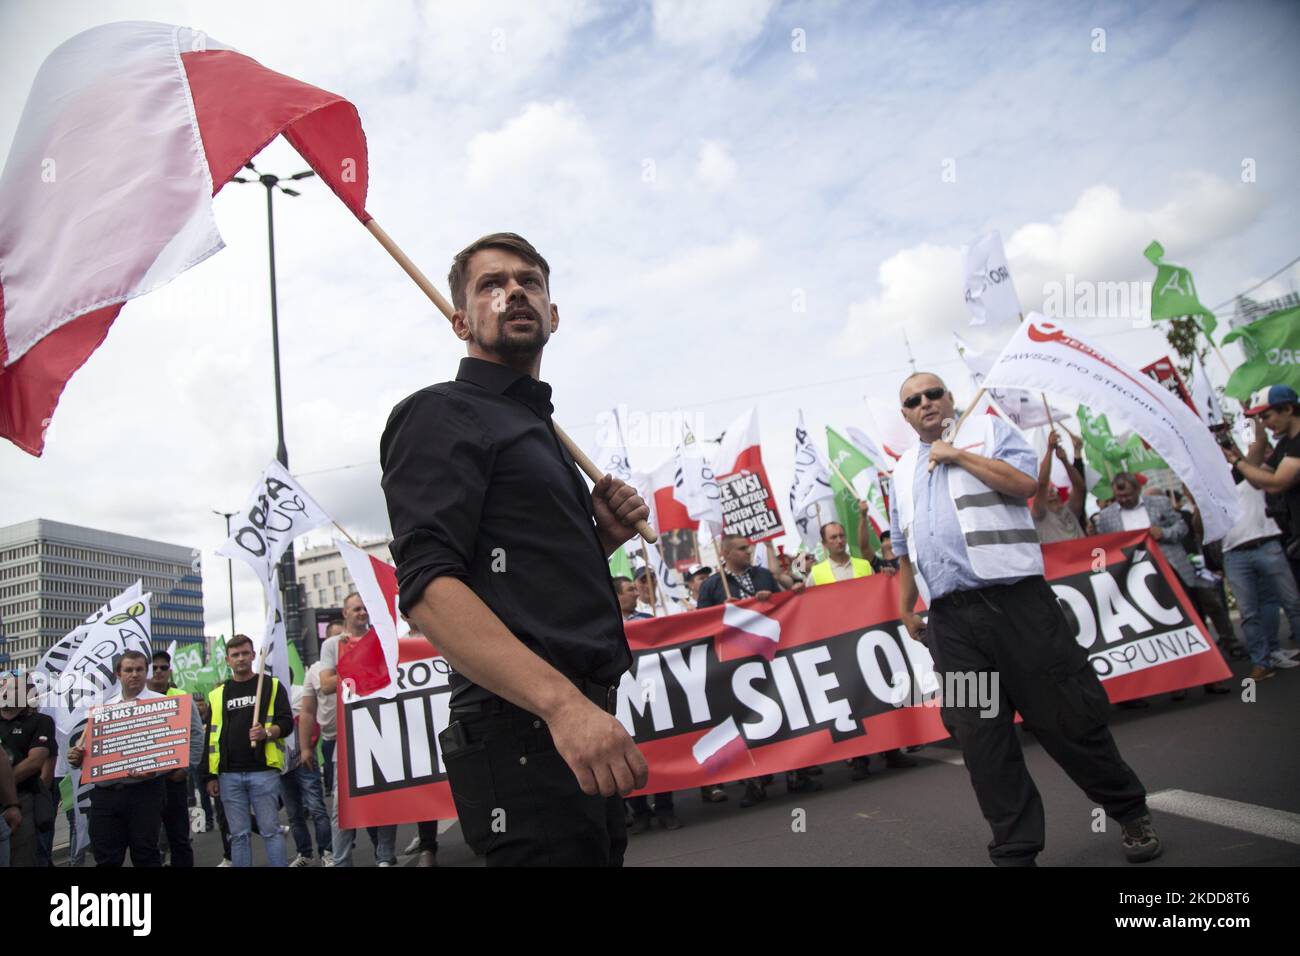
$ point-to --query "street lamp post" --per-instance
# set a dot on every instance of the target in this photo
(230, 568)
(288, 574)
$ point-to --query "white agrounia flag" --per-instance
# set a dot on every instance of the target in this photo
(1043, 354)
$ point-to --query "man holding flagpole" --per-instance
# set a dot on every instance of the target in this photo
(967, 544)
(501, 561)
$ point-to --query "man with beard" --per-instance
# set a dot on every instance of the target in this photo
(501, 562)
(966, 541)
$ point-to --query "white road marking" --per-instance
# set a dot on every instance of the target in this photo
(1246, 817)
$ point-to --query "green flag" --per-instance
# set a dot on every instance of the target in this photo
(1106, 456)
(1272, 347)
(296, 670)
(619, 564)
(1173, 294)
(1139, 459)
(848, 463)
(218, 662)
(1101, 450)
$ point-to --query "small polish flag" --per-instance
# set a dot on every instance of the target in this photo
(720, 747)
(372, 662)
(750, 631)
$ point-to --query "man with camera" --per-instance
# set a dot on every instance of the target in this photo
(1257, 550)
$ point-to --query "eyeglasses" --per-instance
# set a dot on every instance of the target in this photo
(933, 394)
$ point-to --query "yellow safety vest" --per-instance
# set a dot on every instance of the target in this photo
(822, 573)
(217, 701)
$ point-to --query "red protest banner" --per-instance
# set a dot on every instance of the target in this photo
(390, 768)
(146, 736)
(807, 677)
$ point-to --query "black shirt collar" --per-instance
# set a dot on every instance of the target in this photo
(504, 380)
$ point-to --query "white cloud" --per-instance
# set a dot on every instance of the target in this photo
(710, 25)
(705, 265)
(547, 152)
(1099, 239)
(715, 169)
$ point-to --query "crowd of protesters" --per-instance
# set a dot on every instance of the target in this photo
(246, 764)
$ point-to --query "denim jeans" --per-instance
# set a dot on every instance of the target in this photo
(384, 838)
(301, 789)
(248, 795)
(385, 841)
(327, 755)
(1262, 581)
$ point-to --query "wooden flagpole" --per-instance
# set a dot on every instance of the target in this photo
(411, 269)
(650, 582)
(961, 421)
(722, 568)
(354, 541)
(257, 700)
(847, 484)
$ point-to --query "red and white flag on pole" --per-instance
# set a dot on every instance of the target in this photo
(371, 665)
(720, 747)
(128, 132)
(745, 631)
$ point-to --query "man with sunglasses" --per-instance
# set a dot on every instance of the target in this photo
(966, 543)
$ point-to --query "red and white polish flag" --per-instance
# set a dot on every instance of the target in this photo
(720, 747)
(745, 631)
(129, 131)
(371, 665)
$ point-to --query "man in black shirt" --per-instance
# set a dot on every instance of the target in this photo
(244, 754)
(501, 561)
(744, 580)
(28, 738)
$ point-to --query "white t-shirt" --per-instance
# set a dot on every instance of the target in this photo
(1253, 523)
(1135, 518)
(326, 704)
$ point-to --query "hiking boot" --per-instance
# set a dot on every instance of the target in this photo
(754, 793)
(1258, 673)
(861, 768)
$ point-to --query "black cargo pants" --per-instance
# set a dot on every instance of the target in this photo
(1019, 632)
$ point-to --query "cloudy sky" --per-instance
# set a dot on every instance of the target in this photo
(743, 202)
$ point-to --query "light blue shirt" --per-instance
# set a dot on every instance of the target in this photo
(939, 539)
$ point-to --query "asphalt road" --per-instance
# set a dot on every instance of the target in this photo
(1223, 775)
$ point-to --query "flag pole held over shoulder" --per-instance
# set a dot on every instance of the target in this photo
(428, 288)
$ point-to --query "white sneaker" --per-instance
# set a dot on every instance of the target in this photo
(224, 863)
(413, 847)
(284, 830)
(384, 863)
(300, 861)
(1290, 655)
(327, 858)
(1279, 659)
